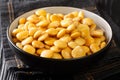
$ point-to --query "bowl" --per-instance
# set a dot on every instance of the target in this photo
(48, 65)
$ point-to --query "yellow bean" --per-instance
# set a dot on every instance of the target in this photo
(72, 44)
(37, 33)
(78, 52)
(15, 40)
(47, 47)
(80, 41)
(102, 45)
(21, 26)
(75, 30)
(81, 14)
(84, 29)
(33, 18)
(39, 51)
(66, 38)
(70, 28)
(43, 23)
(60, 44)
(18, 44)
(42, 18)
(97, 41)
(75, 13)
(75, 35)
(56, 56)
(66, 53)
(30, 49)
(86, 49)
(70, 15)
(97, 33)
(87, 21)
(61, 33)
(76, 23)
(66, 23)
(22, 20)
(55, 49)
(89, 40)
(43, 29)
(26, 25)
(22, 35)
(41, 12)
(94, 47)
(50, 41)
(27, 40)
(60, 15)
(102, 38)
(54, 24)
(77, 19)
(92, 27)
(31, 25)
(43, 37)
(59, 28)
(55, 17)
(37, 44)
(52, 31)
(89, 53)
(32, 31)
(15, 31)
(47, 53)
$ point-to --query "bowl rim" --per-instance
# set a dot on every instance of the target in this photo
(71, 59)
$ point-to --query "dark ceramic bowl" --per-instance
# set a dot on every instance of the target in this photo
(61, 65)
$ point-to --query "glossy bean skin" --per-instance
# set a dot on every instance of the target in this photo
(37, 44)
(27, 40)
(80, 41)
(54, 24)
(102, 45)
(43, 37)
(33, 18)
(55, 17)
(60, 44)
(70, 28)
(66, 38)
(87, 21)
(19, 45)
(94, 47)
(97, 33)
(50, 41)
(56, 56)
(22, 20)
(66, 53)
(78, 52)
(41, 12)
(15, 31)
(52, 31)
(74, 35)
(37, 33)
(43, 23)
(40, 50)
(22, 35)
(55, 49)
(72, 44)
(29, 48)
(47, 53)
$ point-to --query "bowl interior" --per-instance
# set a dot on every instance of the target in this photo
(100, 22)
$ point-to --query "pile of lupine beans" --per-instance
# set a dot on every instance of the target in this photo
(58, 36)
